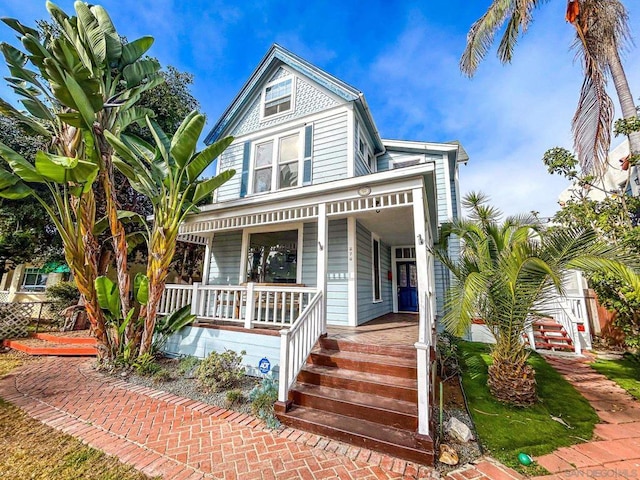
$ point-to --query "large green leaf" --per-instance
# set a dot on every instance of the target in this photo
(38, 109)
(20, 165)
(134, 50)
(141, 288)
(56, 13)
(125, 216)
(61, 169)
(108, 296)
(136, 72)
(113, 42)
(133, 95)
(90, 28)
(81, 100)
(7, 179)
(203, 159)
(162, 141)
(19, 27)
(72, 118)
(133, 115)
(185, 140)
(32, 125)
(205, 188)
(16, 192)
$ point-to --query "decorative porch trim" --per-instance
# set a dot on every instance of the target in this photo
(195, 239)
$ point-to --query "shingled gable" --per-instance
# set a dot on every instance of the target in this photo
(278, 55)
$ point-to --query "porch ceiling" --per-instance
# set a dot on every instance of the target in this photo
(394, 225)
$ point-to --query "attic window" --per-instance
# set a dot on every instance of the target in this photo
(278, 97)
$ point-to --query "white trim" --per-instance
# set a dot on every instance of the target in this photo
(420, 146)
(376, 238)
(292, 107)
(381, 182)
(420, 230)
(352, 279)
(280, 227)
(322, 265)
(275, 164)
(394, 276)
(351, 142)
(447, 187)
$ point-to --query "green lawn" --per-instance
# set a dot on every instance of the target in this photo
(31, 450)
(506, 431)
(625, 372)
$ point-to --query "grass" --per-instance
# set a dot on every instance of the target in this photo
(31, 450)
(625, 372)
(505, 431)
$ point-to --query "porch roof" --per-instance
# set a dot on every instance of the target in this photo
(367, 193)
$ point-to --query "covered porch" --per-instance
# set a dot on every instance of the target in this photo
(339, 247)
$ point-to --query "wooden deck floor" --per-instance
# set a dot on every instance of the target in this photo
(392, 329)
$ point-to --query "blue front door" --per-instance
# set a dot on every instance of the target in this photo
(407, 286)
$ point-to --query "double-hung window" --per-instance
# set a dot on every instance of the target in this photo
(376, 270)
(34, 280)
(278, 97)
(277, 163)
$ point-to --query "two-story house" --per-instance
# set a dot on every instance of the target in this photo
(325, 228)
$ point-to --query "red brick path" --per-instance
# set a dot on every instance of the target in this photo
(177, 438)
(615, 450)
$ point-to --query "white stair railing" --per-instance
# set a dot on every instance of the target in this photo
(297, 341)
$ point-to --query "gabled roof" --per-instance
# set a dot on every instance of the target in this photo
(278, 55)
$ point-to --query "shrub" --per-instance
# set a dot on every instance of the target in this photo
(234, 397)
(188, 365)
(162, 375)
(220, 371)
(62, 295)
(146, 365)
(262, 398)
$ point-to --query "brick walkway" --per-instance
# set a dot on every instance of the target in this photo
(615, 450)
(177, 438)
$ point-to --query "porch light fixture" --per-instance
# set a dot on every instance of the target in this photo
(420, 239)
(364, 191)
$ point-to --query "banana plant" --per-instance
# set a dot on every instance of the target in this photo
(109, 301)
(168, 174)
(75, 86)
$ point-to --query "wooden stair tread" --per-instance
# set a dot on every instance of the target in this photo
(362, 399)
(554, 345)
(345, 345)
(377, 378)
(368, 357)
(360, 432)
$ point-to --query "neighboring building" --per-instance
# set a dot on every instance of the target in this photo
(613, 179)
(324, 223)
(27, 283)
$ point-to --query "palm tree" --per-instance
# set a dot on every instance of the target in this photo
(601, 34)
(505, 272)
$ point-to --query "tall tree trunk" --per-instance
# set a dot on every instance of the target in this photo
(627, 104)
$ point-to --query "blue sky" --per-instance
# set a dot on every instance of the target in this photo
(404, 56)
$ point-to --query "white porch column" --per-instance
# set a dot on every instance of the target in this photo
(422, 261)
(352, 272)
(323, 241)
(207, 261)
(424, 306)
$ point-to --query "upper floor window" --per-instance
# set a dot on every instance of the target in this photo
(278, 97)
(34, 280)
(277, 163)
(363, 151)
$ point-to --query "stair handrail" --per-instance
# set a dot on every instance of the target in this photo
(297, 341)
(569, 321)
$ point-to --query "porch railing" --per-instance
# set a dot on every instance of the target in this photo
(570, 312)
(297, 341)
(248, 305)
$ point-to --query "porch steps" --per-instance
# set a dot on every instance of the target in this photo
(551, 335)
(42, 344)
(361, 394)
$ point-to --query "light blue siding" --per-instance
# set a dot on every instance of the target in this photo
(231, 158)
(330, 148)
(361, 167)
(224, 268)
(367, 309)
(309, 254)
(337, 274)
(308, 100)
(200, 342)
